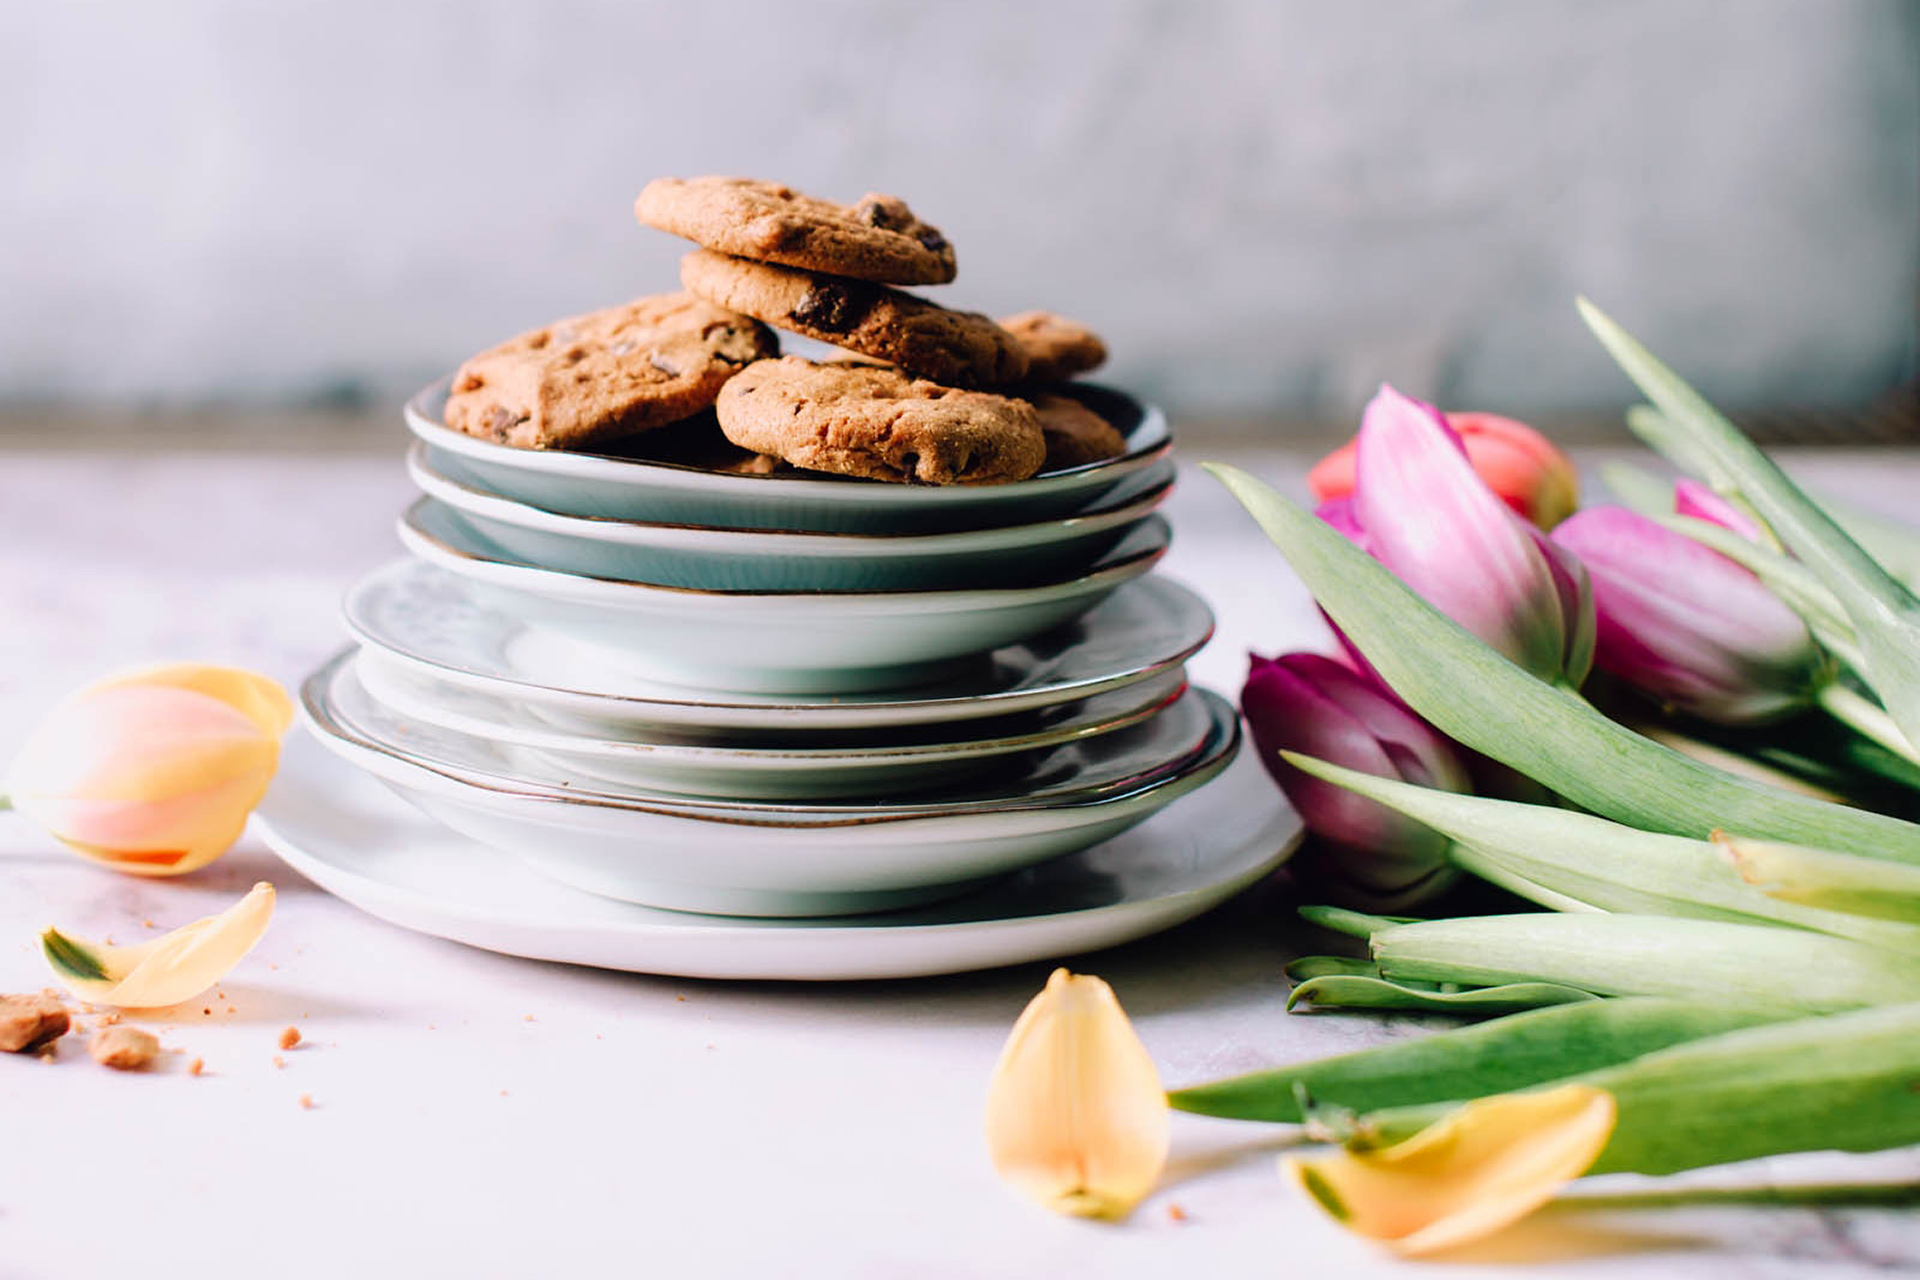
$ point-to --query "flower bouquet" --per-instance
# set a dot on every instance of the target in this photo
(1679, 734)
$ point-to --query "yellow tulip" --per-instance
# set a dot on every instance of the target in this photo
(156, 771)
(174, 967)
(1482, 1167)
(1076, 1117)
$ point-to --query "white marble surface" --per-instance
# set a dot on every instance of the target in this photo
(480, 1116)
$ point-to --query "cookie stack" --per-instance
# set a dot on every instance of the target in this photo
(691, 623)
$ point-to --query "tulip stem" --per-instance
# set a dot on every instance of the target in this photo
(1866, 718)
(6, 802)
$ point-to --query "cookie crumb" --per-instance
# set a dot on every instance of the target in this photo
(290, 1037)
(109, 1019)
(124, 1048)
(306, 1102)
(529, 1017)
(197, 1066)
(1176, 1213)
(29, 1023)
(279, 1061)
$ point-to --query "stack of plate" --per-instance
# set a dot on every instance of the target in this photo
(776, 699)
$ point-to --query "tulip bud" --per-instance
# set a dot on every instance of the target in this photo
(1691, 498)
(1076, 1117)
(1688, 626)
(1367, 854)
(1527, 470)
(154, 772)
(1431, 520)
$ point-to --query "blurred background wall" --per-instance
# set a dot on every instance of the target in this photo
(1267, 205)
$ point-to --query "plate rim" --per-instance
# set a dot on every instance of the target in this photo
(423, 419)
(820, 711)
(557, 739)
(472, 500)
(838, 951)
(1221, 743)
(509, 572)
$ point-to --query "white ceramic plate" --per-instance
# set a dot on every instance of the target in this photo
(438, 625)
(582, 484)
(775, 641)
(690, 555)
(740, 858)
(354, 838)
(747, 767)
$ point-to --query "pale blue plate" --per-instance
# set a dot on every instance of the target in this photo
(775, 641)
(584, 484)
(691, 555)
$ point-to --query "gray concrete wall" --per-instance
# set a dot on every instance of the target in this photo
(1268, 206)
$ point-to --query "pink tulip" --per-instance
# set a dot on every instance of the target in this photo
(1688, 626)
(1691, 498)
(1430, 518)
(1529, 473)
(1367, 854)
(155, 772)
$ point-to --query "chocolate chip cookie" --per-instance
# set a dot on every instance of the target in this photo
(959, 348)
(860, 419)
(876, 238)
(1075, 434)
(1057, 348)
(605, 375)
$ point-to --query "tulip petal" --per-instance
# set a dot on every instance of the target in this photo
(254, 696)
(1691, 498)
(1686, 624)
(1076, 1117)
(1527, 470)
(1479, 1169)
(174, 967)
(1437, 526)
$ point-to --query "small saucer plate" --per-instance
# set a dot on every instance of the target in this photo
(583, 484)
(353, 837)
(749, 768)
(773, 858)
(441, 626)
(775, 641)
(688, 555)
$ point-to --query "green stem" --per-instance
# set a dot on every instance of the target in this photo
(6, 802)
(1865, 718)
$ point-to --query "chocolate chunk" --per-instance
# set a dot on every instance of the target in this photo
(832, 306)
(878, 211)
(931, 239)
(663, 364)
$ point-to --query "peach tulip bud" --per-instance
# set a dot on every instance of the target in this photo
(154, 772)
(1527, 470)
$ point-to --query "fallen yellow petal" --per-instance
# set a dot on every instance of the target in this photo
(1484, 1166)
(1076, 1118)
(171, 968)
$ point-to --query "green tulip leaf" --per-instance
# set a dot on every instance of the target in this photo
(1693, 434)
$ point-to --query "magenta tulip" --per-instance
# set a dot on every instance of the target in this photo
(1366, 855)
(1688, 626)
(1691, 498)
(1430, 518)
